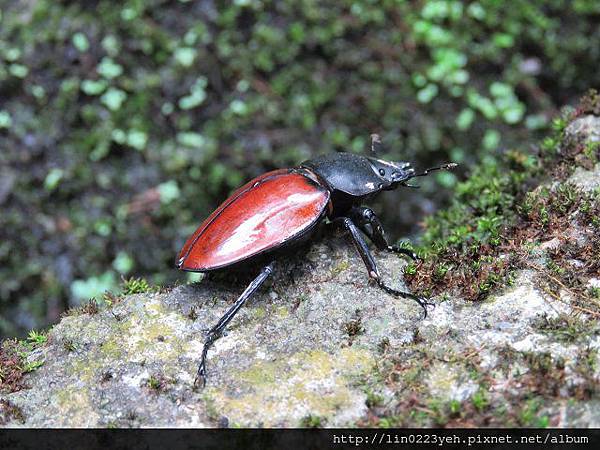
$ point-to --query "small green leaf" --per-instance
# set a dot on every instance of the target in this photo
(167, 108)
(476, 11)
(38, 91)
(185, 56)
(191, 139)
(12, 54)
(103, 227)
(128, 14)
(503, 40)
(93, 286)
(238, 107)
(113, 98)
(419, 80)
(465, 119)
(53, 179)
(428, 93)
(119, 136)
(191, 101)
(80, 41)
(93, 87)
(123, 263)
(491, 139)
(5, 119)
(137, 139)
(18, 70)
(446, 179)
(168, 191)
(536, 121)
(109, 69)
(513, 115)
(498, 89)
(111, 45)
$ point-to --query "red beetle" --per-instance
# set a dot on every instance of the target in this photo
(282, 208)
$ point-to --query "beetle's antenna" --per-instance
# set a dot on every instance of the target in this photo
(375, 143)
(447, 166)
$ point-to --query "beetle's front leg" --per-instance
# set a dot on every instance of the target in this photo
(369, 261)
(370, 224)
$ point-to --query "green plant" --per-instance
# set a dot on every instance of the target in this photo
(35, 338)
(135, 286)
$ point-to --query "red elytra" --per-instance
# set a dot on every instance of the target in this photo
(260, 216)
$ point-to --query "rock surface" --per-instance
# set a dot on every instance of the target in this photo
(287, 355)
(320, 345)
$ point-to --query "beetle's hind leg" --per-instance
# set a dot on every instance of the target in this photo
(367, 257)
(369, 223)
(217, 331)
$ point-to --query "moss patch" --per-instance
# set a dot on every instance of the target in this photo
(476, 244)
(10, 412)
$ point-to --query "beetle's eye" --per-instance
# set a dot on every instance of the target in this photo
(382, 172)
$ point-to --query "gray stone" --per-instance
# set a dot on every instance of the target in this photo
(587, 127)
(586, 180)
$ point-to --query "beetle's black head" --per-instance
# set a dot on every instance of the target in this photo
(357, 175)
(391, 174)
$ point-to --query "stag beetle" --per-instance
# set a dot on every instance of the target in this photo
(281, 209)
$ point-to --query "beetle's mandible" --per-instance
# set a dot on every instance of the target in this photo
(282, 208)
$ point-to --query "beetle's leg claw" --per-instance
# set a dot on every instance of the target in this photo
(424, 303)
(404, 251)
(213, 334)
(200, 380)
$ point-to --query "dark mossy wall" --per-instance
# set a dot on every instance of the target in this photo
(122, 124)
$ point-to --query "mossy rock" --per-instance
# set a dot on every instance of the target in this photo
(321, 346)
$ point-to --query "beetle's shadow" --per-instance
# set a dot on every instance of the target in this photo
(291, 266)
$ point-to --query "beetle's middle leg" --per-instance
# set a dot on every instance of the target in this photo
(367, 257)
(370, 224)
(215, 332)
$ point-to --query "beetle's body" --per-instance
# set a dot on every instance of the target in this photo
(283, 208)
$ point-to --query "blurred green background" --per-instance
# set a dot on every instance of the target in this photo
(122, 124)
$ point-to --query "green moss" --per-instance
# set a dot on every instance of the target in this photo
(9, 412)
(282, 312)
(373, 399)
(135, 286)
(477, 243)
(69, 345)
(31, 366)
(311, 421)
(531, 416)
(112, 349)
(340, 267)
(35, 339)
(567, 328)
(480, 400)
(259, 312)
(156, 383)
